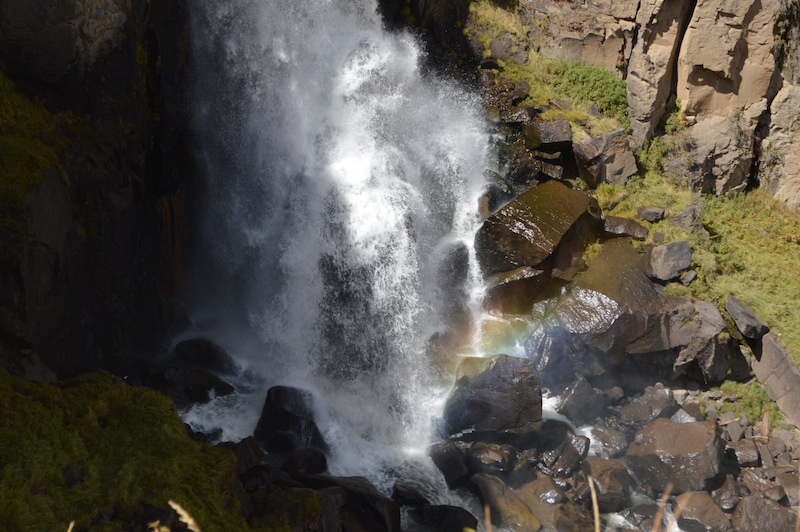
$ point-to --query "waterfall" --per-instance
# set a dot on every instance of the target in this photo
(339, 191)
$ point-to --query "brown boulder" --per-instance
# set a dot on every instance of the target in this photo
(613, 483)
(699, 512)
(687, 455)
(507, 510)
(757, 513)
(527, 231)
(605, 159)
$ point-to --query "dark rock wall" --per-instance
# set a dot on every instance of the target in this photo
(92, 281)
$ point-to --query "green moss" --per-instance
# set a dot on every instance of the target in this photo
(751, 401)
(129, 443)
(31, 141)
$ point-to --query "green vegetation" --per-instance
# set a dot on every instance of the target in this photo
(129, 444)
(31, 139)
(554, 79)
(751, 401)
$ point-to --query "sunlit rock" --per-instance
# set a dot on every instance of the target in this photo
(492, 458)
(669, 260)
(747, 322)
(700, 512)
(754, 512)
(526, 231)
(686, 455)
(605, 159)
(618, 226)
(507, 510)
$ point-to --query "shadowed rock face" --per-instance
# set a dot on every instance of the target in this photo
(687, 455)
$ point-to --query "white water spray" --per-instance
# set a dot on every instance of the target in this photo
(339, 181)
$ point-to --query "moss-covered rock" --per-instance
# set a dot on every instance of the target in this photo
(99, 452)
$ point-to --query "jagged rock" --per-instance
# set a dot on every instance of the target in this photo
(704, 346)
(287, 421)
(503, 402)
(550, 135)
(595, 35)
(611, 442)
(791, 484)
(728, 495)
(490, 458)
(669, 260)
(722, 153)
(737, 70)
(504, 48)
(514, 292)
(581, 403)
(746, 453)
(779, 163)
(775, 369)
(650, 214)
(757, 513)
(688, 277)
(526, 231)
(362, 505)
(507, 510)
(605, 159)
(658, 457)
(612, 481)
(700, 512)
(562, 450)
(747, 322)
(652, 62)
(689, 219)
(444, 518)
(656, 401)
(248, 453)
(615, 225)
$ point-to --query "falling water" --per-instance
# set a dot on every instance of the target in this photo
(340, 189)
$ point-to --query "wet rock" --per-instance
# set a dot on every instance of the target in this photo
(700, 513)
(450, 461)
(501, 403)
(686, 454)
(363, 506)
(605, 159)
(515, 291)
(491, 458)
(669, 260)
(444, 518)
(613, 483)
(757, 513)
(507, 510)
(187, 386)
(747, 322)
(728, 495)
(650, 214)
(615, 225)
(248, 453)
(526, 231)
(611, 442)
(563, 451)
(581, 403)
(203, 354)
(656, 401)
(287, 421)
(544, 489)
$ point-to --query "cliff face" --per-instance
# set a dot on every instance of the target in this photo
(92, 140)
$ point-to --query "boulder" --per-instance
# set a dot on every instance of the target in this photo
(650, 214)
(613, 483)
(704, 345)
(654, 402)
(287, 421)
(687, 455)
(527, 231)
(203, 354)
(747, 322)
(689, 219)
(581, 403)
(699, 512)
(779, 163)
(514, 292)
(444, 518)
(548, 136)
(507, 510)
(757, 513)
(746, 453)
(501, 403)
(605, 159)
(669, 260)
(728, 495)
(362, 505)
(775, 368)
(306, 461)
(618, 226)
(721, 155)
(449, 459)
(562, 451)
(187, 386)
